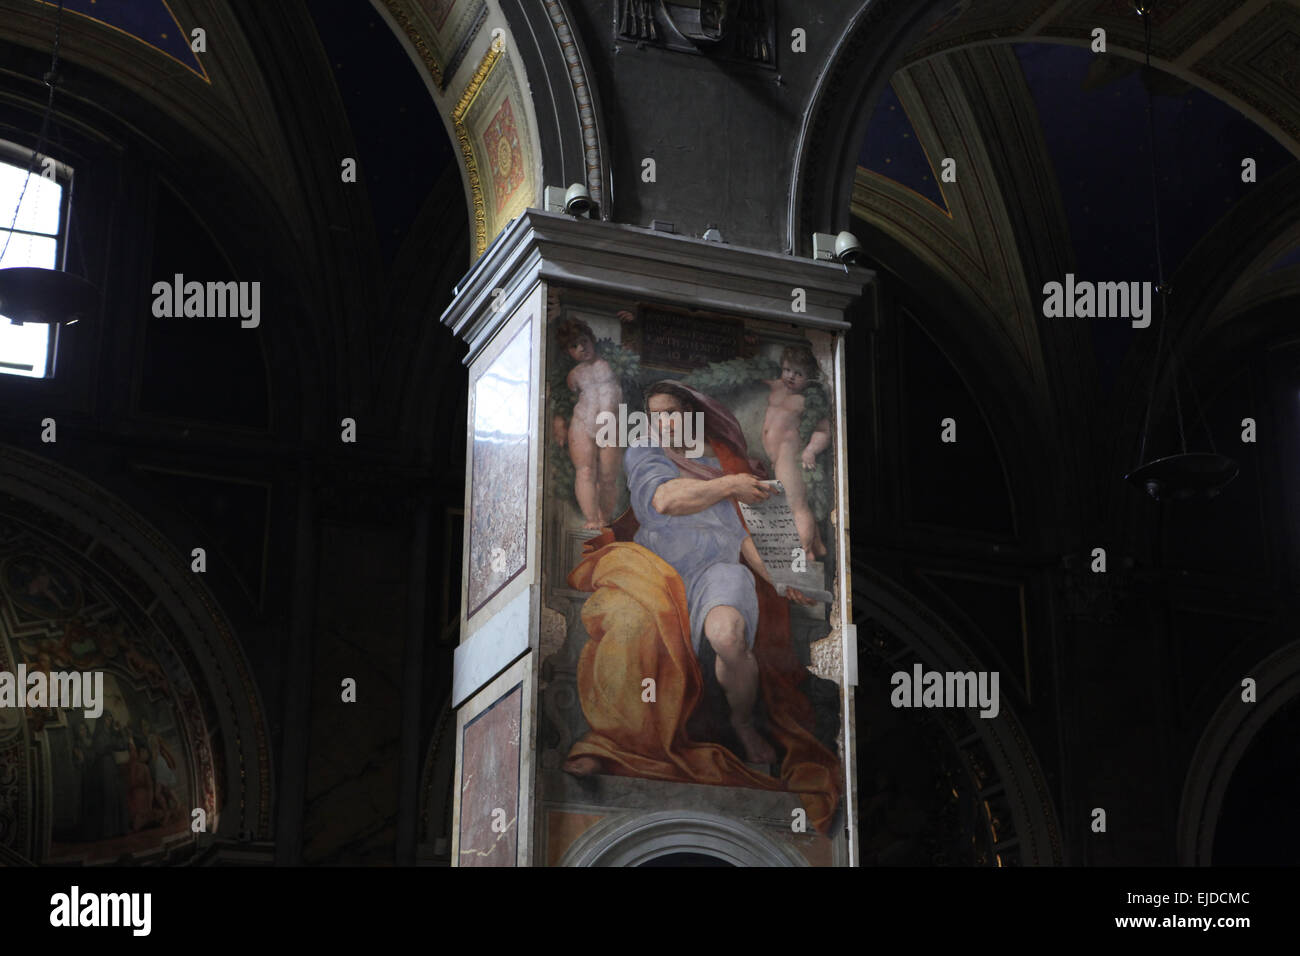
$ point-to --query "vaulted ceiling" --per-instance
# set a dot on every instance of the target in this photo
(1246, 54)
(1063, 129)
(1054, 176)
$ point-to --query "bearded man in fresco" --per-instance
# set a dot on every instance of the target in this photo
(679, 571)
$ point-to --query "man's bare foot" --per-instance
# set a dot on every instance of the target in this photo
(594, 525)
(582, 766)
(757, 750)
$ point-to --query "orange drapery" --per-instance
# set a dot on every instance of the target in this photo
(639, 627)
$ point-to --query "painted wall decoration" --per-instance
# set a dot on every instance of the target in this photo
(499, 475)
(441, 30)
(499, 155)
(488, 107)
(503, 156)
(705, 598)
(123, 783)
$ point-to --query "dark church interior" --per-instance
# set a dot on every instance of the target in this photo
(178, 510)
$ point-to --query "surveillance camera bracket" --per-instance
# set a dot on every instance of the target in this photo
(823, 247)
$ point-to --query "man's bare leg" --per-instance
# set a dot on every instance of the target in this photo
(737, 671)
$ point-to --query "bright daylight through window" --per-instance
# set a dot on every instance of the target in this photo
(34, 237)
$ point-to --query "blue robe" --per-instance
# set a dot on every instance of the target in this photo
(703, 548)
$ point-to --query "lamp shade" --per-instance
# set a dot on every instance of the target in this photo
(50, 296)
(1183, 476)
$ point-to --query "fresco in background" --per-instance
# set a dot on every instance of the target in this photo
(122, 783)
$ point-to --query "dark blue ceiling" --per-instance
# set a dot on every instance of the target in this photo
(1095, 129)
(1287, 259)
(892, 149)
(1097, 139)
(150, 21)
(401, 143)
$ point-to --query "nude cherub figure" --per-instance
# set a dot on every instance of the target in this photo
(790, 458)
(595, 468)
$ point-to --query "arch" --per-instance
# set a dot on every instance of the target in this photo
(1223, 743)
(1014, 411)
(634, 839)
(885, 35)
(1223, 275)
(184, 650)
(867, 54)
(1001, 232)
(1211, 310)
(1011, 767)
(437, 786)
(128, 138)
(530, 47)
(248, 127)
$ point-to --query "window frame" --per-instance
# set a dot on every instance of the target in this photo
(14, 154)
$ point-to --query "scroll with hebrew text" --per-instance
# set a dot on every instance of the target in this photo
(771, 525)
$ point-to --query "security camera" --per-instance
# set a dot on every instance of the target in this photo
(844, 248)
(574, 201)
(577, 200)
(848, 250)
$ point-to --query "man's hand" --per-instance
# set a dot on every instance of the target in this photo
(798, 597)
(748, 489)
(809, 457)
(559, 431)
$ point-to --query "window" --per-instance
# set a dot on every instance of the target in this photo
(35, 239)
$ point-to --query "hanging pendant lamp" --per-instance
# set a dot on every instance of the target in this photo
(1186, 475)
(31, 293)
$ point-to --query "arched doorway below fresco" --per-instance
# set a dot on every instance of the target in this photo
(677, 838)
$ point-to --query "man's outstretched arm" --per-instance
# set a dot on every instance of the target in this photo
(688, 496)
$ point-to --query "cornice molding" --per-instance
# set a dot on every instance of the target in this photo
(642, 263)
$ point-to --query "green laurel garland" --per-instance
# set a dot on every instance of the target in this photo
(732, 374)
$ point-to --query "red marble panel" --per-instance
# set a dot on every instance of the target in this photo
(489, 784)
